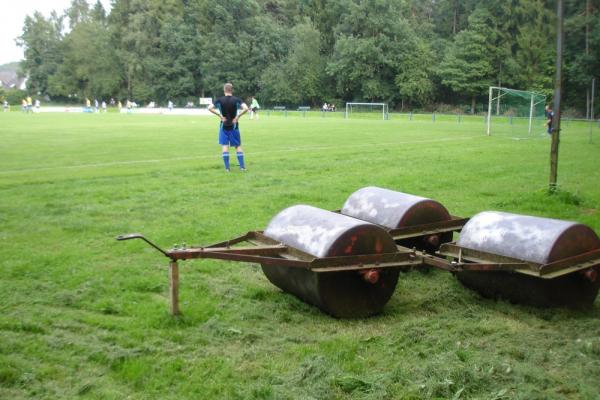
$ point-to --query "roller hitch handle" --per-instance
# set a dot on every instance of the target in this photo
(130, 236)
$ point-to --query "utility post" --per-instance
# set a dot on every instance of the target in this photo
(557, 98)
(592, 118)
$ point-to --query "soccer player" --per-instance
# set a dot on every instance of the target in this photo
(549, 117)
(227, 108)
(254, 107)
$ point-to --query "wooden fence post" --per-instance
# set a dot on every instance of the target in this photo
(174, 287)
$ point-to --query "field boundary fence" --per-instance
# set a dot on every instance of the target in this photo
(511, 125)
(306, 112)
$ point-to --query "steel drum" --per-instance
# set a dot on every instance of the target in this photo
(392, 210)
(322, 233)
(536, 240)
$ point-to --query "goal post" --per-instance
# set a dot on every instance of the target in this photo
(367, 109)
(513, 103)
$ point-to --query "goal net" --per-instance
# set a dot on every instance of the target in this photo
(515, 112)
(367, 110)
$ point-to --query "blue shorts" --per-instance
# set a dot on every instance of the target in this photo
(230, 138)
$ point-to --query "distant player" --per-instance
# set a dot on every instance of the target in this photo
(103, 106)
(5, 106)
(29, 104)
(549, 118)
(227, 108)
(254, 107)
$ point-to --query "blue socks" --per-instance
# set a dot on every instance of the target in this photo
(240, 157)
(226, 159)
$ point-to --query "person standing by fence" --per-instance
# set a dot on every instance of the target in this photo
(549, 117)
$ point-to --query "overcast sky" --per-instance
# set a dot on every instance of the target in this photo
(12, 15)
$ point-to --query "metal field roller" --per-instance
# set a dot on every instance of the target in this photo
(346, 267)
(347, 263)
(413, 221)
(529, 260)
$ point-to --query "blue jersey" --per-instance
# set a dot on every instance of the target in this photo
(228, 106)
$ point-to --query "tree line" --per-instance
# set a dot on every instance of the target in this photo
(412, 54)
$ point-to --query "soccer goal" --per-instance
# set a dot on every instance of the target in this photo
(366, 110)
(517, 108)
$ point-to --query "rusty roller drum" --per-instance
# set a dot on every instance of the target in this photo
(321, 233)
(536, 240)
(392, 210)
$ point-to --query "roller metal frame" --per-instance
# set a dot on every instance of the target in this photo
(254, 247)
(266, 251)
(455, 224)
(263, 250)
(477, 260)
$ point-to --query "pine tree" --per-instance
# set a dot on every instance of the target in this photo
(467, 66)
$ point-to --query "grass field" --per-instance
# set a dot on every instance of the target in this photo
(85, 316)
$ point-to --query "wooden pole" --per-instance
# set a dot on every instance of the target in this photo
(592, 121)
(557, 98)
(588, 6)
(174, 287)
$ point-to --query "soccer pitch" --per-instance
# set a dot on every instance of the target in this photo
(83, 315)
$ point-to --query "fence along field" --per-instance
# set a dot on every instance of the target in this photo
(84, 315)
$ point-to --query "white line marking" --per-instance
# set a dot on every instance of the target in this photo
(288, 150)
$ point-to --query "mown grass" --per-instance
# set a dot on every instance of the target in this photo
(85, 316)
